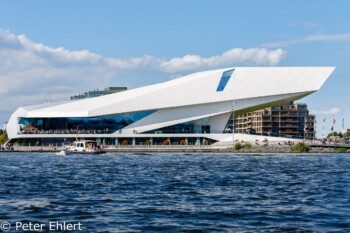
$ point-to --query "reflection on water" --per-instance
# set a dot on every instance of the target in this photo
(179, 192)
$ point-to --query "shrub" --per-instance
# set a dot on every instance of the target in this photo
(300, 148)
(258, 151)
(182, 142)
(166, 142)
(148, 142)
(125, 142)
(247, 145)
(238, 146)
(342, 150)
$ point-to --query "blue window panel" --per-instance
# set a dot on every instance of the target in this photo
(112, 123)
(224, 80)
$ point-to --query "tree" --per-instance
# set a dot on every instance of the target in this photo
(347, 134)
(332, 134)
(3, 137)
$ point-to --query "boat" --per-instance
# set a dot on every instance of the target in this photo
(84, 147)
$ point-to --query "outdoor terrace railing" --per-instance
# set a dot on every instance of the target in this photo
(66, 131)
(121, 132)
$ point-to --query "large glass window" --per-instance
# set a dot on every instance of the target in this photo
(224, 80)
(196, 126)
(107, 124)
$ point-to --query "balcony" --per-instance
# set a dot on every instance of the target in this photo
(288, 126)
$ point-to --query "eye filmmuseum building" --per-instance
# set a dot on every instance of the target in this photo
(195, 108)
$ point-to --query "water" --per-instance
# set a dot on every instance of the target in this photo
(178, 192)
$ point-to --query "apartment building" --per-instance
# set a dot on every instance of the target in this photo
(288, 119)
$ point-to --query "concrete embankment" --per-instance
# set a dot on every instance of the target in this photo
(180, 149)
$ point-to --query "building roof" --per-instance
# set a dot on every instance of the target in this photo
(197, 88)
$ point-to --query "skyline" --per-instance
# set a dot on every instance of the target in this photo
(50, 51)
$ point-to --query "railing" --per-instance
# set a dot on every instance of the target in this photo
(107, 131)
(328, 142)
(120, 133)
(66, 131)
(288, 126)
(59, 146)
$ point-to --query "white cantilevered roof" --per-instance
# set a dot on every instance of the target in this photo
(197, 88)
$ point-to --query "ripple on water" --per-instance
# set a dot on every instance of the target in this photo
(179, 192)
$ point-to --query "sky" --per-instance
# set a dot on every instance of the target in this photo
(50, 50)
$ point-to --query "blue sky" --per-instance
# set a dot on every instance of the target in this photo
(50, 50)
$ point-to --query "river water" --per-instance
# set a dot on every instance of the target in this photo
(178, 192)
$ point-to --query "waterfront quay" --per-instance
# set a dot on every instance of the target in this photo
(264, 148)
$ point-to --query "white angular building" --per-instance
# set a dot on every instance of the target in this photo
(195, 108)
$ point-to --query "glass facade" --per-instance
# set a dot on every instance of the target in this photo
(224, 80)
(117, 141)
(197, 126)
(108, 124)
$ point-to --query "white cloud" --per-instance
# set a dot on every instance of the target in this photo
(310, 38)
(35, 66)
(331, 111)
(255, 56)
(32, 73)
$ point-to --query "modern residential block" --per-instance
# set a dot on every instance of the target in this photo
(287, 119)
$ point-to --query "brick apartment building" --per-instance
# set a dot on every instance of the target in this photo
(286, 120)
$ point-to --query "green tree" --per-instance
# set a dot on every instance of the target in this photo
(3, 137)
(332, 134)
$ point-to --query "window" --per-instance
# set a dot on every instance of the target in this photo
(196, 126)
(69, 125)
(224, 80)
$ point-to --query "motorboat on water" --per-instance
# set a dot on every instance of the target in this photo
(83, 147)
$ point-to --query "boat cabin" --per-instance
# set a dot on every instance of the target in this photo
(87, 144)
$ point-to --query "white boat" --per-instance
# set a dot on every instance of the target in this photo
(83, 147)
